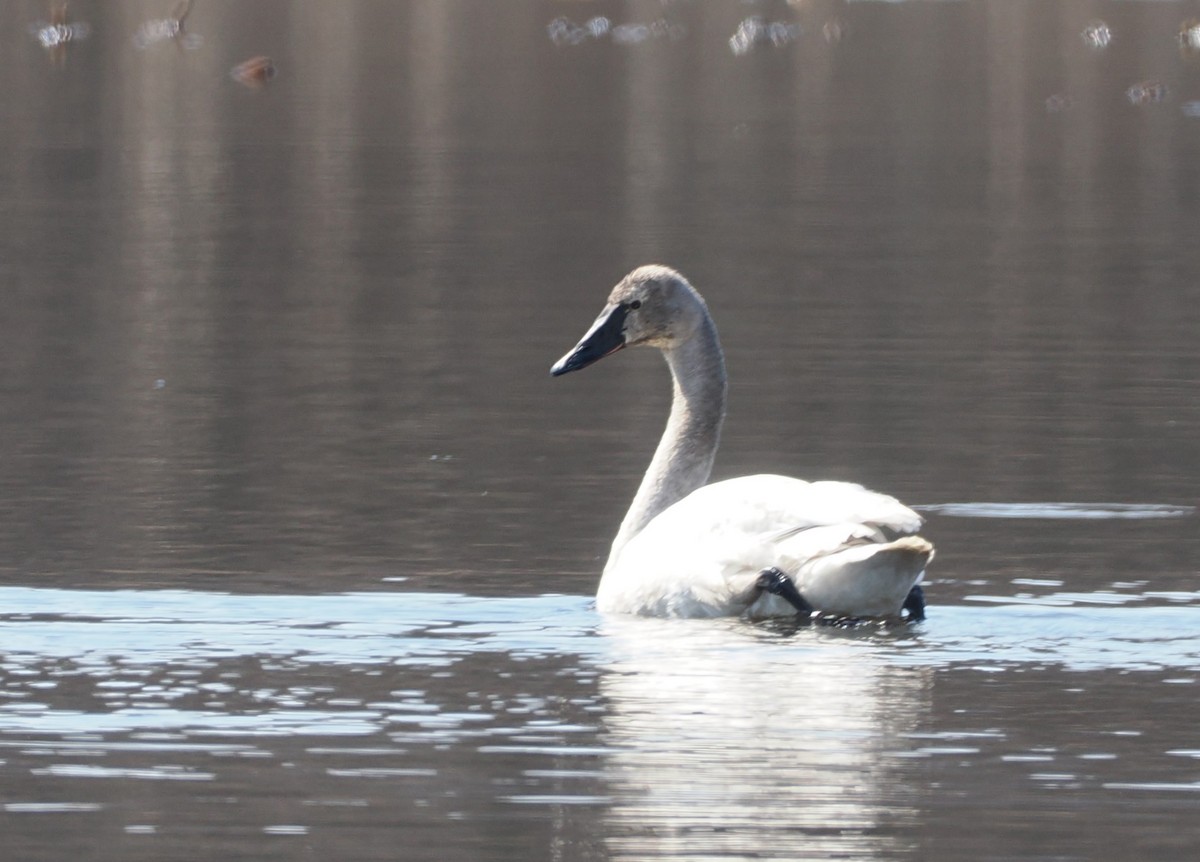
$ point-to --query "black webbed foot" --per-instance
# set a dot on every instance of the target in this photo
(776, 583)
(915, 604)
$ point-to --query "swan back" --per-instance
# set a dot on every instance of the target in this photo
(701, 556)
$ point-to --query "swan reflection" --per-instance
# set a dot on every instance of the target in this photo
(746, 741)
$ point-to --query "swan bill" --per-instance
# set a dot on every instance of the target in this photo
(606, 336)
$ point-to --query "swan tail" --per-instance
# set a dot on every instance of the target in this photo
(872, 580)
(915, 547)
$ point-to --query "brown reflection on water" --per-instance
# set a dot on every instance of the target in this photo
(302, 333)
(294, 339)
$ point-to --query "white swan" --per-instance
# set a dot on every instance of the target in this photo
(757, 545)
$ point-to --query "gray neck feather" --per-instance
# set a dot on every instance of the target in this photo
(684, 457)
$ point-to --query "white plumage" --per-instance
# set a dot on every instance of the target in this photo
(687, 549)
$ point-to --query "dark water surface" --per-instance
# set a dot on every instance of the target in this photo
(298, 537)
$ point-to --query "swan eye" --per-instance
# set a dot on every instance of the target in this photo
(636, 304)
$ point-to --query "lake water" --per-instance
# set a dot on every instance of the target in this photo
(298, 537)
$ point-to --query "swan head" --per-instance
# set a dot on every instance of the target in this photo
(653, 305)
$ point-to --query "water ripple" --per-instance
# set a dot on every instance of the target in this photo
(124, 640)
(1061, 511)
(390, 703)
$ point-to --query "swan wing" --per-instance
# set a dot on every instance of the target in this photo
(701, 556)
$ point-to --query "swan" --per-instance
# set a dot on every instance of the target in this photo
(755, 546)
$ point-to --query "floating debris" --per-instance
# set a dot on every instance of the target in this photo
(833, 31)
(754, 31)
(56, 35)
(171, 29)
(564, 32)
(1058, 102)
(630, 34)
(598, 26)
(253, 72)
(1189, 35)
(1191, 109)
(1147, 93)
(59, 32)
(1097, 35)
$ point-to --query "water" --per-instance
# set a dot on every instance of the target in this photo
(157, 718)
(298, 537)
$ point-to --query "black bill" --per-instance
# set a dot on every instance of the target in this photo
(606, 336)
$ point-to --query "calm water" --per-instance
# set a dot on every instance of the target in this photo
(298, 537)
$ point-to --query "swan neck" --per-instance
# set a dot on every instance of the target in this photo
(684, 458)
